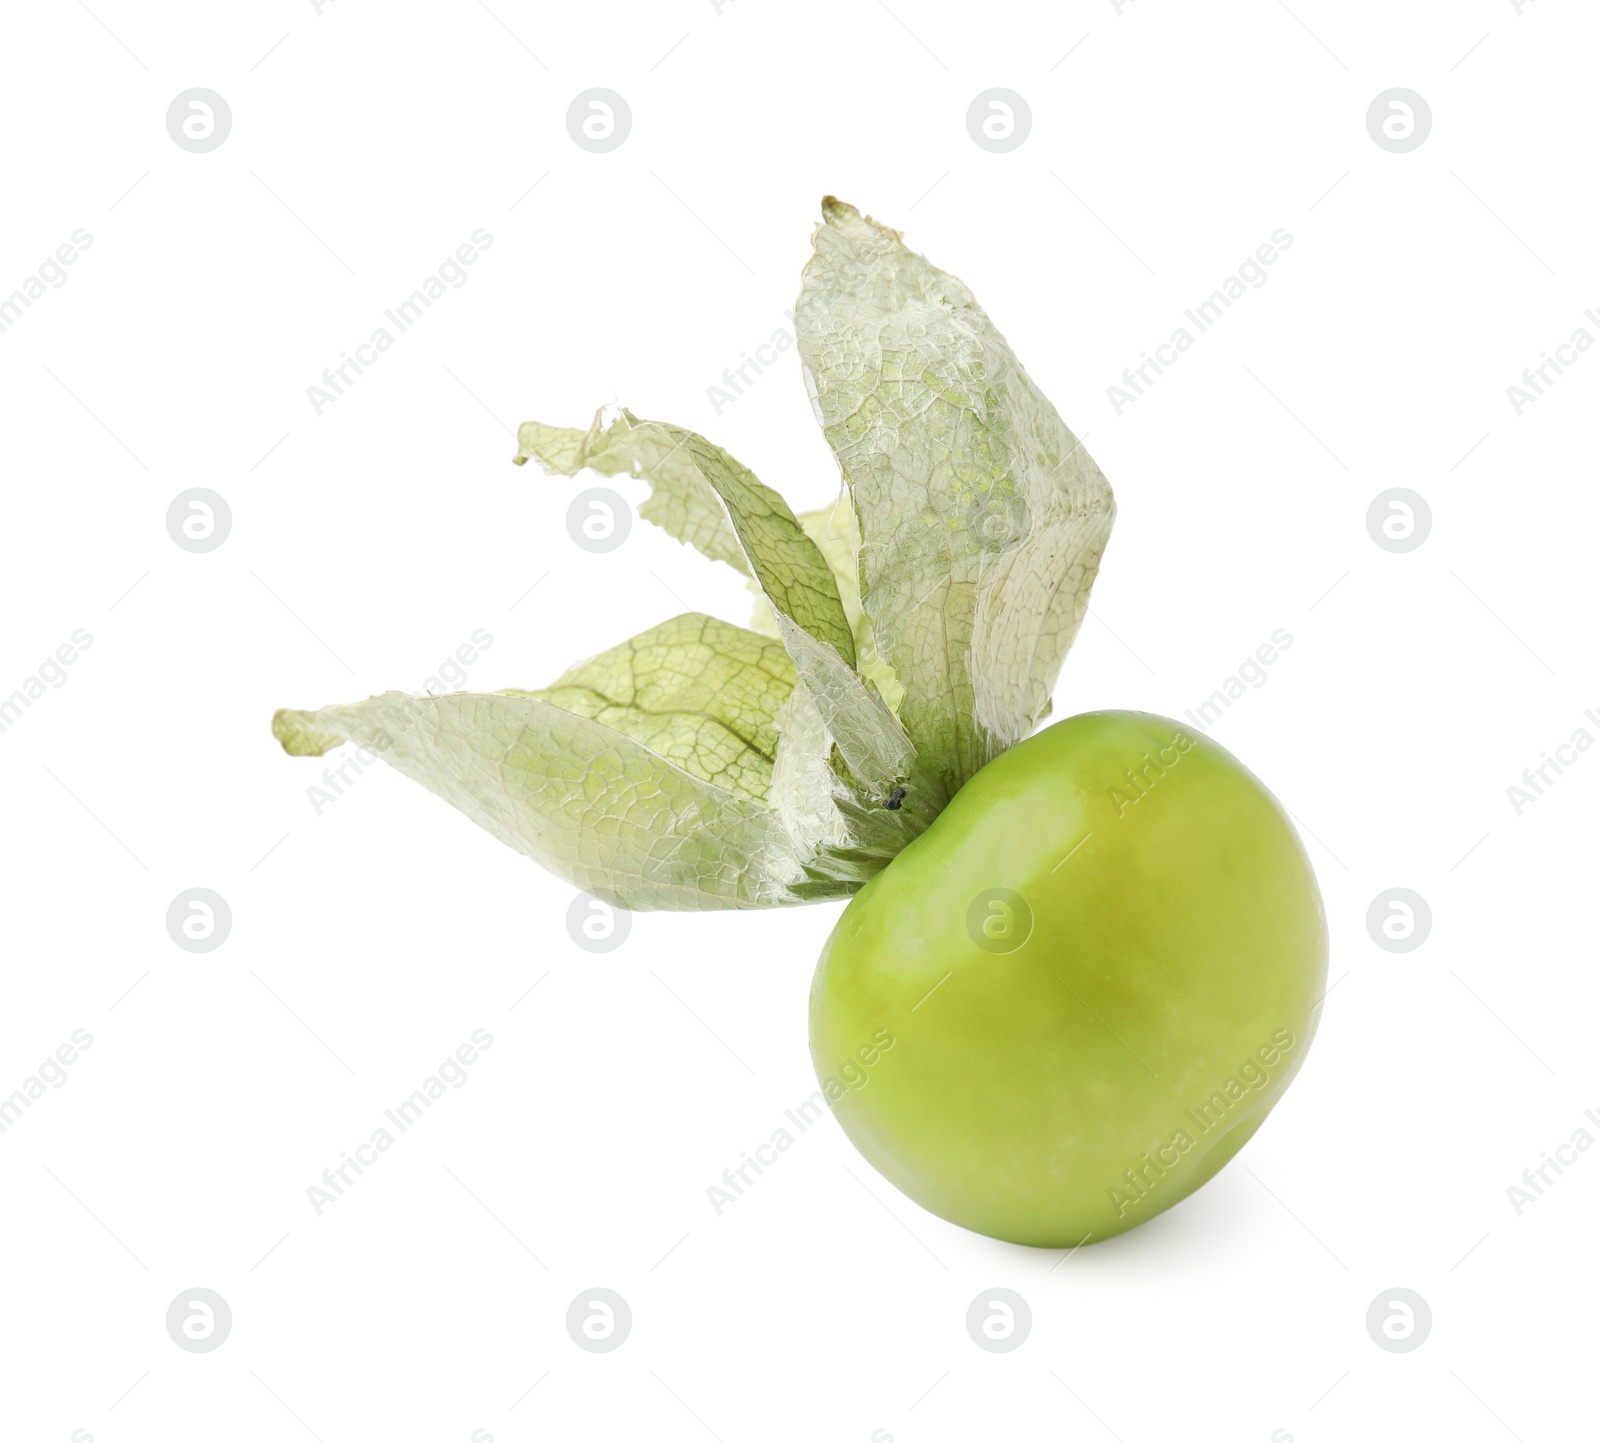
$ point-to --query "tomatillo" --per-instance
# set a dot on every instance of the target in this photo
(1097, 971)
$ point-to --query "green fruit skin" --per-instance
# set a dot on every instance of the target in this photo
(1164, 998)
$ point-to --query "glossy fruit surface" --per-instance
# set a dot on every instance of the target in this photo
(1079, 993)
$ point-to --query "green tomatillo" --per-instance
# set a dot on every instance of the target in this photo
(1079, 966)
(1099, 968)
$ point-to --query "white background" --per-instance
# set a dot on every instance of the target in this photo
(372, 540)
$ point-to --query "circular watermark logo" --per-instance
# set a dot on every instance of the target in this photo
(199, 1320)
(599, 520)
(1399, 520)
(199, 120)
(597, 926)
(1399, 1320)
(999, 120)
(1399, 920)
(999, 920)
(199, 920)
(999, 1320)
(1399, 120)
(599, 120)
(997, 521)
(199, 520)
(599, 1320)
